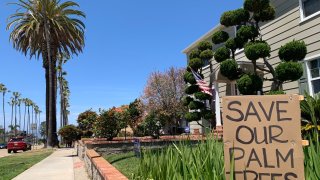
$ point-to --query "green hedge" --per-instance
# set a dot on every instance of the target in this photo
(229, 68)
(293, 51)
(220, 37)
(289, 71)
(195, 63)
(256, 50)
(204, 45)
(249, 84)
(206, 54)
(222, 54)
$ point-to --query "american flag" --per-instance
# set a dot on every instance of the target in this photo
(204, 87)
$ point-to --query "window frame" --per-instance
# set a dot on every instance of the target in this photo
(307, 62)
(302, 15)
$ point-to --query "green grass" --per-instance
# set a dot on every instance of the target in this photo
(13, 165)
(126, 163)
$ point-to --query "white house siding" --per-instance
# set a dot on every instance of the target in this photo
(287, 26)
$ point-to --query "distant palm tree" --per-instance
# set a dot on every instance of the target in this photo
(16, 96)
(11, 103)
(48, 28)
(4, 90)
(28, 103)
(19, 105)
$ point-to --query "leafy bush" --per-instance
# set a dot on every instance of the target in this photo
(255, 5)
(267, 14)
(293, 51)
(86, 119)
(107, 125)
(206, 54)
(153, 124)
(195, 105)
(207, 114)
(202, 96)
(220, 37)
(186, 100)
(195, 63)
(192, 116)
(229, 68)
(231, 44)
(205, 45)
(70, 133)
(189, 78)
(249, 84)
(247, 32)
(310, 113)
(256, 50)
(194, 54)
(289, 71)
(234, 17)
(221, 54)
(192, 89)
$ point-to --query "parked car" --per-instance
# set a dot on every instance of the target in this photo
(3, 145)
(16, 144)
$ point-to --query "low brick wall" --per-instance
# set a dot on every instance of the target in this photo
(98, 168)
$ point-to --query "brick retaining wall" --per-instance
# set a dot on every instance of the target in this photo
(98, 168)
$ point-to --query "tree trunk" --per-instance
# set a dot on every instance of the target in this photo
(24, 118)
(4, 117)
(15, 117)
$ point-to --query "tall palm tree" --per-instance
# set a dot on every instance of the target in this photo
(24, 100)
(64, 90)
(28, 104)
(16, 96)
(11, 103)
(4, 90)
(48, 28)
(19, 106)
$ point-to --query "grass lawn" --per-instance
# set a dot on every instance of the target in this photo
(126, 163)
(13, 165)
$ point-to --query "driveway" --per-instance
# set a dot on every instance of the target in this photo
(4, 153)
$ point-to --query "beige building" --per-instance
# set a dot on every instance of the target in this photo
(295, 20)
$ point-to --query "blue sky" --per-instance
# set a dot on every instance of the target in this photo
(125, 41)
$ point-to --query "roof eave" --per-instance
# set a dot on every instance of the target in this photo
(202, 38)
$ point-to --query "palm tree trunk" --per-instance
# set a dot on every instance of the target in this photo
(28, 123)
(24, 118)
(15, 118)
(4, 117)
(20, 117)
(11, 114)
(31, 127)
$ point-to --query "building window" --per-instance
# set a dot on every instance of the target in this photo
(309, 7)
(315, 75)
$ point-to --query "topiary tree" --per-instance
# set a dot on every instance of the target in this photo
(249, 37)
(195, 99)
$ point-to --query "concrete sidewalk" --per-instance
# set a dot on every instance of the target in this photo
(62, 164)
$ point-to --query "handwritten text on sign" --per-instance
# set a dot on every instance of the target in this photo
(262, 134)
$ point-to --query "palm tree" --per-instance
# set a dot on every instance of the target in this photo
(16, 96)
(4, 90)
(28, 103)
(19, 105)
(11, 103)
(24, 100)
(48, 28)
(64, 91)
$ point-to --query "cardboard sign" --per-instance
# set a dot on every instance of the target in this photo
(262, 137)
